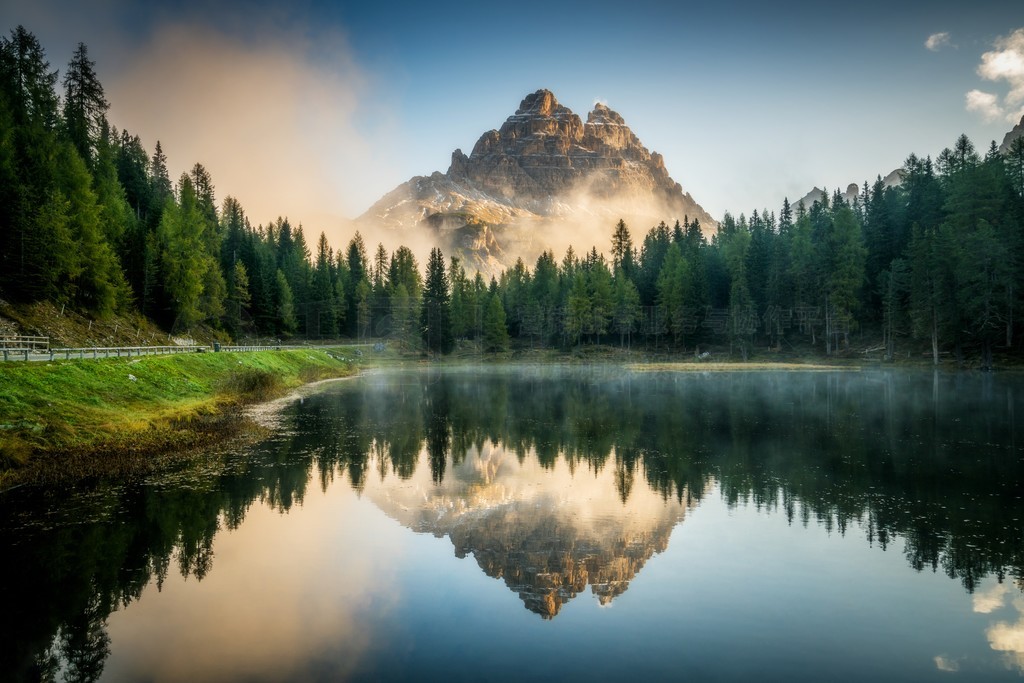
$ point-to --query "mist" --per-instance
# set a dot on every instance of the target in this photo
(274, 130)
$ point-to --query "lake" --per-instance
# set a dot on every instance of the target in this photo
(508, 523)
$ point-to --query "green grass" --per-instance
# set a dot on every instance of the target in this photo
(96, 405)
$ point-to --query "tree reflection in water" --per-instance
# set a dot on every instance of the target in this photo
(929, 460)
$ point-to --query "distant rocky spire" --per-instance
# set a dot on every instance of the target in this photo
(1016, 132)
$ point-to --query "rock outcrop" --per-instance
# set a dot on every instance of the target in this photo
(1016, 132)
(531, 184)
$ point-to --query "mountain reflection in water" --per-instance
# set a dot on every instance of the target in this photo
(555, 480)
(547, 532)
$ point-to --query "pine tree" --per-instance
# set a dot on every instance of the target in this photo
(239, 298)
(190, 275)
(85, 106)
(286, 321)
(578, 308)
(100, 286)
(322, 309)
(358, 279)
(495, 332)
(435, 316)
(846, 271)
(461, 313)
(116, 216)
(674, 285)
(623, 256)
(602, 297)
(403, 270)
(28, 154)
(627, 308)
(652, 255)
(160, 188)
(735, 245)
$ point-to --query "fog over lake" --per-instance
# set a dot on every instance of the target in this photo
(556, 523)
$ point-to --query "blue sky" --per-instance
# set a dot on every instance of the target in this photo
(316, 109)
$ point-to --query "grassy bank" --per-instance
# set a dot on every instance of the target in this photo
(73, 415)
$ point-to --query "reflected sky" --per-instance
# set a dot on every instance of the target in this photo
(564, 524)
(366, 585)
(286, 590)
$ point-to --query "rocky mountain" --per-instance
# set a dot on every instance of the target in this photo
(1016, 132)
(544, 179)
(893, 179)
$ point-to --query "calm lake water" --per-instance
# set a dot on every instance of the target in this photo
(523, 523)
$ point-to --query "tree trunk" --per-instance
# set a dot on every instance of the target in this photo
(935, 339)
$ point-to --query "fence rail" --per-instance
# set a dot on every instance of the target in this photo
(18, 344)
(118, 351)
(43, 352)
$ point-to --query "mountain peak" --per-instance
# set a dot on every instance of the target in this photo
(543, 166)
(542, 103)
(602, 115)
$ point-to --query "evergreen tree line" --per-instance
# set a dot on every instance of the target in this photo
(90, 219)
(935, 261)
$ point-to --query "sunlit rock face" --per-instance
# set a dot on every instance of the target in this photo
(548, 533)
(544, 179)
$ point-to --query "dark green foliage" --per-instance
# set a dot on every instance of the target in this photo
(322, 314)
(85, 107)
(435, 315)
(495, 332)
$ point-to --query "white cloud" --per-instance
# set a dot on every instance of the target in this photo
(989, 600)
(944, 663)
(1009, 639)
(986, 104)
(1004, 63)
(937, 41)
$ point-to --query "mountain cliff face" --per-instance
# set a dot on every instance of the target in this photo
(545, 179)
(1016, 132)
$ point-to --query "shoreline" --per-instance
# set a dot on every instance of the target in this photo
(67, 422)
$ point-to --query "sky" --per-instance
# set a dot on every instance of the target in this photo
(314, 110)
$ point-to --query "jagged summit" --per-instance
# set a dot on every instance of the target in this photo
(542, 170)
